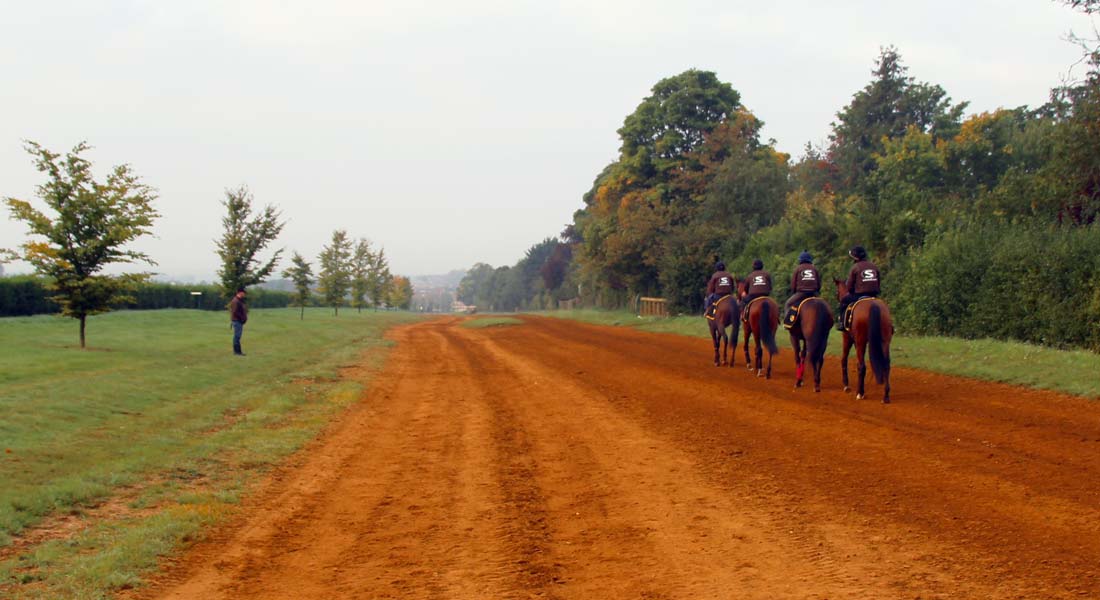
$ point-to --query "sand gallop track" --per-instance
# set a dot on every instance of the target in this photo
(560, 460)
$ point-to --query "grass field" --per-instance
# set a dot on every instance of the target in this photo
(111, 457)
(1070, 371)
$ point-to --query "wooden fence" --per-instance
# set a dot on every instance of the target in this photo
(652, 307)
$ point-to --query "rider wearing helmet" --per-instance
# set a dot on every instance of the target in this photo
(863, 281)
(805, 282)
(719, 284)
(758, 283)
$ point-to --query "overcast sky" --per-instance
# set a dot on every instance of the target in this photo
(450, 132)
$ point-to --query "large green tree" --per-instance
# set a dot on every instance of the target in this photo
(334, 279)
(886, 108)
(301, 274)
(362, 261)
(672, 121)
(243, 238)
(90, 226)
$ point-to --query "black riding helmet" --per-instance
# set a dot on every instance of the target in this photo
(757, 265)
(858, 253)
(721, 266)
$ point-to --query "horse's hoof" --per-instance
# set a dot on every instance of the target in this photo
(886, 401)
(759, 373)
(859, 396)
(847, 389)
(798, 383)
(817, 389)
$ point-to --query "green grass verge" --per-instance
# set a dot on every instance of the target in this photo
(1040, 367)
(481, 322)
(155, 431)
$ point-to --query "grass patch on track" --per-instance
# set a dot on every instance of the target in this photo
(482, 322)
(1017, 363)
(112, 457)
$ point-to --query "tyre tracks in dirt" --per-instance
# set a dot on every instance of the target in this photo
(560, 460)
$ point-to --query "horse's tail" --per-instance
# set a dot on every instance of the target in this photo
(880, 360)
(767, 334)
(816, 345)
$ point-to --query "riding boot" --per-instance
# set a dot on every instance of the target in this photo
(840, 317)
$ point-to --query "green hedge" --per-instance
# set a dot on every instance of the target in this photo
(1029, 283)
(27, 295)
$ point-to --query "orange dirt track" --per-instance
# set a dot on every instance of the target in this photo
(562, 460)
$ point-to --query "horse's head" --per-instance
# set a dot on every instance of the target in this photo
(841, 288)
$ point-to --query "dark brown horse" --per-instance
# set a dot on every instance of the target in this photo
(871, 332)
(725, 315)
(810, 337)
(761, 323)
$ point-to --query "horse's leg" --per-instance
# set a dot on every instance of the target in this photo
(724, 342)
(748, 334)
(714, 341)
(847, 347)
(799, 362)
(861, 362)
(759, 355)
(886, 380)
(818, 365)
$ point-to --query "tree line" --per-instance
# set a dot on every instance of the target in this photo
(983, 225)
(88, 225)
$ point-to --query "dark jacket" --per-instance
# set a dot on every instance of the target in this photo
(720, 283)
(759, 283)
(237, 310)
(806, 279)
(864, 278)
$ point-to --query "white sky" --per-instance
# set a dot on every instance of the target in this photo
(449, 132)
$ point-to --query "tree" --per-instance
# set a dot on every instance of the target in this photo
(361, 263)
(401, 293)
(335, 277)
(91, 226)
(301, 273)
(243, 239)
(379, 278)
(884, 109)
(673, 121)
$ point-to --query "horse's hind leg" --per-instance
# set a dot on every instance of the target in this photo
(861, 367)
(714, 340)
(759, 357)
(886, 391)
(847, 343)
(818, 365)
(799, 360)
(748, 361)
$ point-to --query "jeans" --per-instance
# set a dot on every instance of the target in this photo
(238, 329)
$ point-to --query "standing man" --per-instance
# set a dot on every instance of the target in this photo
(805, 283)
(863, 281)
(238, 316)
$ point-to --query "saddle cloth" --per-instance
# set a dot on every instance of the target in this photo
(851, 308)
(745, 312)
(713, 310)
(792, 313)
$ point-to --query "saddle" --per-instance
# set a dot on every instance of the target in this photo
(793, 311)
(851, 308)
(713, 309)
(745, 312)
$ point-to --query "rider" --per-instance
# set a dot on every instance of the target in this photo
(805, 282)
(758, 283)
(863, 281)
(720, 284)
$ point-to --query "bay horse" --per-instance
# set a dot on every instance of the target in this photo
(810, 337)
(871, 332)
(725, 315)
(762, 321)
